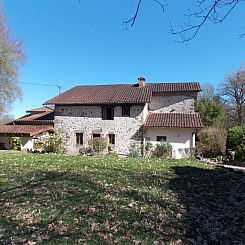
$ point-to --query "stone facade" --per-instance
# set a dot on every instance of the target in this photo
(73, 119)
(173, 102)
(88, 120)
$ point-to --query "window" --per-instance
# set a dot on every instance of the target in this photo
(161, 138)
(107, 113)
(126, 111)
(79, 138)
(111, 139)
(96, 135)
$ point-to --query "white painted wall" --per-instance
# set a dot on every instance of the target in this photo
(26, 143)
(179, 138)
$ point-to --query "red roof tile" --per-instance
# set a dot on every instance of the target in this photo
(47, 116)
(27, 130)
(41, 109)
(174, 87)
(174, 120)
(119, 93)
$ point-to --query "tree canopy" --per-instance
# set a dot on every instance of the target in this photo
(11, 56)
(210, 108)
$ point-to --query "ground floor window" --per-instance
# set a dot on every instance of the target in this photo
(161, 138)
(79, 138)
(96, 135)
(111, 139)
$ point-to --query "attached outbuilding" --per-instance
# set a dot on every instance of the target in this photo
(36, 124)
(179, 129)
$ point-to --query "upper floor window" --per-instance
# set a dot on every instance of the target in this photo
(126, 111)
(79, 138)
(162, 138)
(107, 113)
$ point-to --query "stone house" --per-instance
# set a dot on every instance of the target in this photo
(127, 114)
(36, 124)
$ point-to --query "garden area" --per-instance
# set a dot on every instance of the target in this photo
(59, 199)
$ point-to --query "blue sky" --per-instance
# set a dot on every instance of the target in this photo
(68, 42)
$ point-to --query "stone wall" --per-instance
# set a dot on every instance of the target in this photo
(88, 120)
(173, 102)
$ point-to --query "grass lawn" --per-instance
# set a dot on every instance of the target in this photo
(55, 199)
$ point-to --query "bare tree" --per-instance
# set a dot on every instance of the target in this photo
(11, 56)
(201, 12)
(6, 118)
(233, 92)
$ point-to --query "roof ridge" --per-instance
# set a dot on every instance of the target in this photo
(133, 84)
(119, 93)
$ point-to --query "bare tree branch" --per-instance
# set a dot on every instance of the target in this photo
(132, 20)
(214, 11)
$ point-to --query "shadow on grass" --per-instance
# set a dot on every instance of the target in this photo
(215, 204)
(109, 206)
(68, 208)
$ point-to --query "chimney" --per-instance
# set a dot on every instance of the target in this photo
(141, 81)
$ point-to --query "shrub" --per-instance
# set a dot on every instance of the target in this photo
(86, 150)
(112, 154)
(212, 142)
(38, 144)
(148, 148)
(163, 149)
(236, 142)
(134, 150)
(54, 143)
(16, 143)
(98, 144)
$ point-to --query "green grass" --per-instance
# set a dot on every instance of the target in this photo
(56, 199)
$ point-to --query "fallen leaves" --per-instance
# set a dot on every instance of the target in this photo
(56, 199)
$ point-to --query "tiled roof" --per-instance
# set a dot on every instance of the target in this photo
(174, 120)
(174, 87)
(40, 109)
(47, 116)
(26, 130)
(119, 93)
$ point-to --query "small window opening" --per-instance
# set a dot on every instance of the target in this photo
(79, 138)
(111, 139)
(126, 111)
(96, 135)
(162, 138)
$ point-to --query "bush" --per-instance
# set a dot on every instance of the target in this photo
(212, 142)
(134, 150)
(86, 150)
(236, 142)
(16, 143)
(148, 148)
(98, 144)
(163, 149)
(53, 144)
(112, 154)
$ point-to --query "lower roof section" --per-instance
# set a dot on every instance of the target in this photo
(174, 120)
(24, 130)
